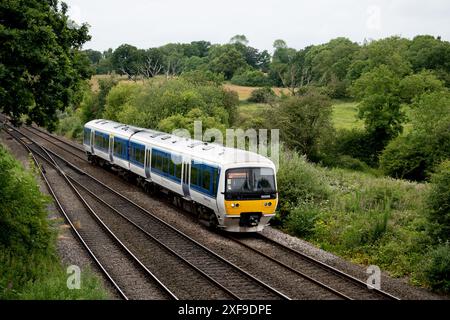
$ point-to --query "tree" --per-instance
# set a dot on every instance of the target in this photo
(288, 67)
(227, 60)
(239, 38)
(151, 63)
(93, 55)
(380, 102)
(415, 85)
(428, 52)
(438, 203)
(41, 65)
(305, 122)
(126, 60)
(329, 64)
(416, 155)
(391, 52)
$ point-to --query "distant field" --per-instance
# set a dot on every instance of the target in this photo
(345, 115)
(245, 92)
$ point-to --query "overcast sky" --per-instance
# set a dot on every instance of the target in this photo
(151, 23)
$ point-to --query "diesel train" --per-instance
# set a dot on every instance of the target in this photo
(232, 189)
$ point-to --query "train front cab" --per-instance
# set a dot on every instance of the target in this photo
(250, 199)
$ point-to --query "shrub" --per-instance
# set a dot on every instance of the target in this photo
(403, 158)
(262, 95)
(147, 105)
(344, 162)
(417, 154)
(438, 203)
(299, 182)
(305, 122)
(251, 78)
(302, 219)
(437, 270)
(357, 144)
(29, 267)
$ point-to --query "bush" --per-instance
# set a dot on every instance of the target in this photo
(416, 155)
(305, 123)
(438, 203)
(344, 162)
(357, 144)
(29, 267)
(404, 158)
(299, 182)
(262, 95)
(147, 105)
(437, 270)
(251, 78)
(302, 219)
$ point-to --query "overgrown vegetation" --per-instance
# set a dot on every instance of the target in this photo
(29, 265)
(369, 220)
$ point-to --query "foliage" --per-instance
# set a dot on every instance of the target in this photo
(29, 268)
(415, 85)
(356, 143)
(179, 121)
(298, 182)
(380, 105)
(119, 97)
(436, 271)
(41, 66)
(438, 203)
(251, 78)
(226, 60)
(356, 215)
(305, 122)
(198, 77)
(262, 95)
(148, 104)
(415, 155)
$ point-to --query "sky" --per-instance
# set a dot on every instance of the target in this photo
(152, 23)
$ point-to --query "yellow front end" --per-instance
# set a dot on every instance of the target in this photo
(236, 207)
(248, 215)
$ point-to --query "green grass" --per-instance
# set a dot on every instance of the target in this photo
(363, 218)
(345, 115)
(251, 115)
(29, 264)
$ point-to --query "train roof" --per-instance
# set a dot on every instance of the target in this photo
(210, 152)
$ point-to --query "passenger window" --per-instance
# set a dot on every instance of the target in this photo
(194, 175)
(165, 167)
(153, 159)
(215, 180)
(171, 167)
(206, 178)
(178, 171)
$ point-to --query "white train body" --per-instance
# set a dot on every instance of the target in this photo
(235, 187)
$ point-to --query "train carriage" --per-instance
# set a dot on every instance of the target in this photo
(232, 189)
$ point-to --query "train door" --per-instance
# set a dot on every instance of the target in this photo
(92, 141)
(186, 173)
(147, 162)
(111, 148)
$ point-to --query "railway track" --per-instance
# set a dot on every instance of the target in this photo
(336, 282)
(126, 273)
(237, 283)
(326, 276)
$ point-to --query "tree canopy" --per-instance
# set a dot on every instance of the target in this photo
(41, 65)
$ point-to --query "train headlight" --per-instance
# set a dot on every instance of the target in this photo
(235, 205)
